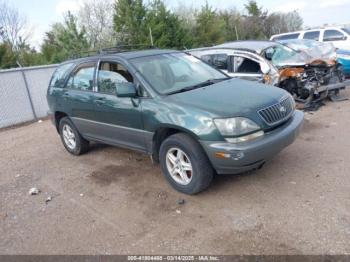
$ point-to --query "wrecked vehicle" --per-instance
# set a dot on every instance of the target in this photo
(308, 76)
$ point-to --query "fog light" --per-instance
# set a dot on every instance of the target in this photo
(237, 155)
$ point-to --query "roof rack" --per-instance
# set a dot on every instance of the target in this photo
(111, 50)
(123, 48)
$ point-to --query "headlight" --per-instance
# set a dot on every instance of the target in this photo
(236, 126)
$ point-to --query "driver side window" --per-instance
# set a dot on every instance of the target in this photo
(110, 75)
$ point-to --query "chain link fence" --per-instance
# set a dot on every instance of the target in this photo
(23, 94)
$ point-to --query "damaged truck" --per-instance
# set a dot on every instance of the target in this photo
(310, 74)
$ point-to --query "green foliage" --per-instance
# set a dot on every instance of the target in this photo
(7, 56)
(209, 27)
(129, 21)
(134, 23)
(166, 28)
(64, 40)
(253, 8)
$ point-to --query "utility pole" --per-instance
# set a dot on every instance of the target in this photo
(236, 33)
(27, 89)
(150, 35)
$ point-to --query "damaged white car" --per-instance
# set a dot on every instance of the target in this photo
(308, 75)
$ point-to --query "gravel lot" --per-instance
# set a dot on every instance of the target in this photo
(114, 201)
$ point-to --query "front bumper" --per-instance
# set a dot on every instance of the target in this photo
(332, 87)
(253, 154)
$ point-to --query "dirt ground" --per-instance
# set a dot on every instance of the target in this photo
(114, 201)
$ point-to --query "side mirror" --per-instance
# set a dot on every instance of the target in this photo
(126, 89)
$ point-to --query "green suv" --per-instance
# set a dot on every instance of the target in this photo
(190, 117)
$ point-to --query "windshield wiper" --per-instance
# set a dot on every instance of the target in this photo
(202, 84)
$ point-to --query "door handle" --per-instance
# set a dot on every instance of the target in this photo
(100, 101)
(66, 95)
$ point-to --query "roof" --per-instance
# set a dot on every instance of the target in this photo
(255, 46)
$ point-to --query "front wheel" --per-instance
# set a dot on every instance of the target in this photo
(184, 164)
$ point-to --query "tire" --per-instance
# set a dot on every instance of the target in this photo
(80, 146)
(201, 174)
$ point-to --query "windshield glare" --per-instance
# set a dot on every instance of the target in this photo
(167, 73)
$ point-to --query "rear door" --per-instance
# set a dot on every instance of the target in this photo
(76, 97)
(117, 120)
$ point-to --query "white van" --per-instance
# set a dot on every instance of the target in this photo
(339, 36)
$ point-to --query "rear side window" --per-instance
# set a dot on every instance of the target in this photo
(217, 60)
(287, 37)
(60, 74)
(312, 35)
(333, 35)
(82, 78)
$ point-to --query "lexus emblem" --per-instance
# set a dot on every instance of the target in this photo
(282, 109)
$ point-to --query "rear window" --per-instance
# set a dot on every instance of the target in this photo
(286, 37)
(60, 75)
(312, 35)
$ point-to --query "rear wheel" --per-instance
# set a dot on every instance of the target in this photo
(185, 164)
(71, 139)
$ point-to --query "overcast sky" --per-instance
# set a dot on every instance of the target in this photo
(41, 14)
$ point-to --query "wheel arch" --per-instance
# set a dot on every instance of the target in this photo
(162, 133)
(57, 117)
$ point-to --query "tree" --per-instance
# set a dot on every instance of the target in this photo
(277, 23)
(209, 27)
(232, 24)
(13, 26)
(253, 8)
(129, 22)
(97, 19)
(7, 56)
(165, 27)
(64, 40)
(253, 22)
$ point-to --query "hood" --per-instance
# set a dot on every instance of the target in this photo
(230, 98)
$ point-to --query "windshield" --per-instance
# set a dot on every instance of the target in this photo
(281, 55)
(169, 73)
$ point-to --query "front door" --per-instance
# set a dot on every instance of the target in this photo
(118, 120)
(246, 68)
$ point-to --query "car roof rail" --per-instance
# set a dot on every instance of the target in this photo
(124, 48)
(111, 50)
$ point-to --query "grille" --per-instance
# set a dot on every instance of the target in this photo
(278, 112)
